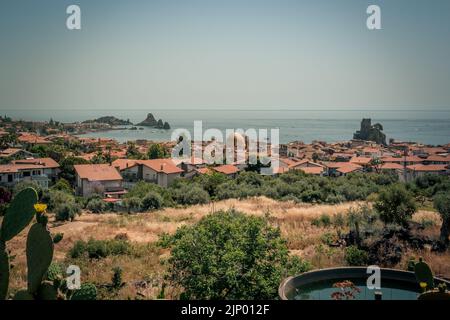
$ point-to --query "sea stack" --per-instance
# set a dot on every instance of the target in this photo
(370, 132)
(150, 121)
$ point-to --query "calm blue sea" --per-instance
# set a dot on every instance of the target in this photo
(430, 126)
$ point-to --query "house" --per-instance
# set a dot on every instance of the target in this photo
(337, 169)
(362, 161)
(102, 179)
(30, 139)
(227, 169)
(43, 171)
(414, 171)
(15, 153)
(159, 171)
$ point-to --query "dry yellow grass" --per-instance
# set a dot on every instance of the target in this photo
(144, 274)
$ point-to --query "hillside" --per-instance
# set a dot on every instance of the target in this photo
(144, 267)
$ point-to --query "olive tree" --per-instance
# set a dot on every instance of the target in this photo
(442, 205)
(229, 255)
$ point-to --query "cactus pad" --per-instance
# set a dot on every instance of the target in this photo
(4, 271)
(424, 274)
(88, 291)
(39, 255)
(47, 291)
(19, 214)
(23, 295)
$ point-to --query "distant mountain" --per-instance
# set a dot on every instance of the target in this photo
(150, 121)
(113, 121)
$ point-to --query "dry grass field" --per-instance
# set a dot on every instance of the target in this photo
(144, 269)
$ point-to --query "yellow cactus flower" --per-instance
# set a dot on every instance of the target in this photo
(423, 285)
(40, 207)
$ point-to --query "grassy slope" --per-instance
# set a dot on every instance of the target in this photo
(143, 270)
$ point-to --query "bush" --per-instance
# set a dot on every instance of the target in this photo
(66, 212)
(56, 198)
(228, 255)
(63, 185)
(97, 206)
(356, 257)
(442, 205)
(323, 221)
(193, 195)
(133, 204)
(97, 249)
(395, 205)
(152, 201)
(27, 184)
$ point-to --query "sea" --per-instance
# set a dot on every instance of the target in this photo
(423, 125)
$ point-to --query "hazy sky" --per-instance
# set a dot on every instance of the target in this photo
(224, 54)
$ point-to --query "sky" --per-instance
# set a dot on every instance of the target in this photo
(184, 54)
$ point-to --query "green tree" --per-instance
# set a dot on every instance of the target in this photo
(228, 255)
(67, 167)
(157, 151)
(442, 205)
(395, 205)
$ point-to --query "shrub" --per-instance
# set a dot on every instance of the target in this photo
(227, 255)
(395, 205)
(356, 257)
(27, 184)
(194, 195)
(152, 201)
(96, 249)
(63, 185)
(323, 221)
(133, 204)
(442, 205)
(66, 212)
(97, 206)
(56, 198)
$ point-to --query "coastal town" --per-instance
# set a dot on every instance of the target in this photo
(38, 151)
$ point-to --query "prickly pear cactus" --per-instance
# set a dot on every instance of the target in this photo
(23, 295)
(88, 291)
(47, 291)
(19, 214)
(39, 255)
(424, 274)
(4, 271)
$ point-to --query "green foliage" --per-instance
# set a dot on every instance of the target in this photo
(96, 206)
(157, 151)
(19, 214)
(323, 221)
(66, 212)
(39, 255)
(152, 201)
(133, 204)
(228, 255)
(116, 280)
(97, 249)
(191, 195)
(22, 185)
(296, 266)
(67, 167)
(63, 185)
(395, 205)
(356, 257)
(88, 291)
(4, 271)
(442, 205)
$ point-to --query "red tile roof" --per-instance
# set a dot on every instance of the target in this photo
(46, 163)
(226, 169)
(391, 166)
(161, 165)
(361, 160)
(312, 170)
(351, 167)
(428, 168)
(97, 172)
